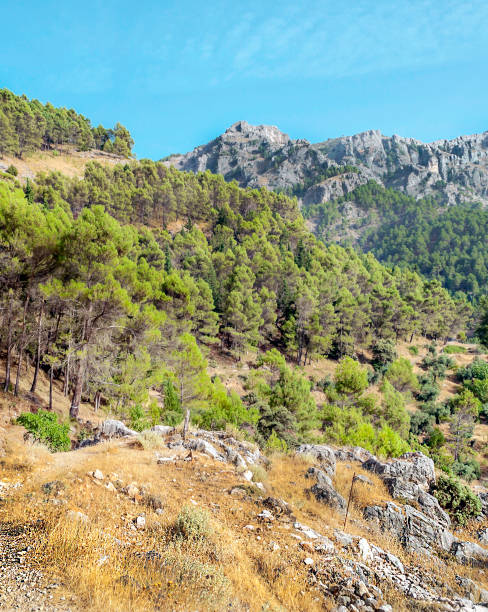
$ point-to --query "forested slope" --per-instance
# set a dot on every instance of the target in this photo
(28, 125)
(115, 310)
(443, 242)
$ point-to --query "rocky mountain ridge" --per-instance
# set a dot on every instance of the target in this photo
(257, 156)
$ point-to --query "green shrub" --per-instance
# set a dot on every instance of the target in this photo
(276, 444)
(384, 353)
(453, 349)
(44, 426)
(12, 170)
(192, 524)
(138, 418)
(414, 350)
(401, 375)
(468, 469)
(457, 499)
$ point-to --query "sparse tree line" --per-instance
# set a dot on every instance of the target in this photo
(27, 126)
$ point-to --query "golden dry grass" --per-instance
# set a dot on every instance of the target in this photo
(68, 161)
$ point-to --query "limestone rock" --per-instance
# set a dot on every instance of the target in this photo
(414, 467)
(115, 429)
(322, 453)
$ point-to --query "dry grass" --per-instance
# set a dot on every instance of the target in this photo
(68, 161)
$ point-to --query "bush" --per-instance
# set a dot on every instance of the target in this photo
(468, 469)
(384, 353)
(276, 444)
(457, 499)
(350, 377)
(401, 375)
(12, 170)
(479, 388)
(421, 422)
(414, 350)
(138, 418)
(44, 426)
(478, 369)
(429, 390)
(192, 524)
(453, 349)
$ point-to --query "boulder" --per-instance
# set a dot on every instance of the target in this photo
(407, 490)
(204, 447)
(482, 535)
(162, 430)
(414, 468)
(319, 475)
(412, 528)
(326, 494)
(115, 429)
(356, 453)
(322, 453)
(469, 553)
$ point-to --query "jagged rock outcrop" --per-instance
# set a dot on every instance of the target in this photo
(414, 468)
(262, 155)
(412, 528)
(470, 553)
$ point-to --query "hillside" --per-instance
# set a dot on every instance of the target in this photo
(412, 204)
(191, 377)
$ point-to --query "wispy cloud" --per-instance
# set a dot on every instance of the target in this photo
(324, 39)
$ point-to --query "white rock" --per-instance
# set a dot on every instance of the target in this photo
(250, 527)
(131, 490)
(308, 561)
(110, 487)
(98, 474)
(102, 560)
(365, 550)
(247, 475)
(266, 515)
(140, 522)
(260, 486)
(75, 515)
(162, 460)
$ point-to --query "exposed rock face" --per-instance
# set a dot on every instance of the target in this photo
(412, 528)
(469, 553)
(258, 156)
(322, 453)
(414, 468)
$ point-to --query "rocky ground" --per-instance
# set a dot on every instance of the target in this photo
(277, 523)
(23, 586)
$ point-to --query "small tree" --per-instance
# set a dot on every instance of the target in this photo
(465, 407)
(350, 377)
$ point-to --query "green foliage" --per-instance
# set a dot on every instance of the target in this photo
(454, 349)
(27, 125)
(394, 412)
(45, 427)
(225, 408)
(384, 354)
(350, 377)
(401, 375)
(275, 444)
(12, 170)
(414, 350)
(172, 413)
(138, 419)
(422, 234)
(466, 468)
(458, 500)
(192, 524)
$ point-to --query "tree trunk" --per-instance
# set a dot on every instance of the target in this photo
(51, 388)
(38, 353)
(76, 400)
(9, 345)
(186, 424)
(21, 347)
(97, 401)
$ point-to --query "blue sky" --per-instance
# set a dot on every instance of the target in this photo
(179, 73)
